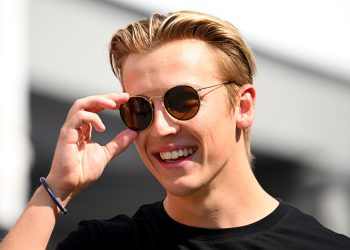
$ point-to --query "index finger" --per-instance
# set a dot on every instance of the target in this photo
(99, 102)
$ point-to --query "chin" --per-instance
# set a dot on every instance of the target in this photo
(181, 188)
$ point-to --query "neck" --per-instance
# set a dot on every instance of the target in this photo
(231, 200)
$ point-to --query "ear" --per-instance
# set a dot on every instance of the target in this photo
(245, 109)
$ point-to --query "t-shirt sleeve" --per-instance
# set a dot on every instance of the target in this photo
(116, 233)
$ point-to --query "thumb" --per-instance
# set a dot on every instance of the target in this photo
(120, 143)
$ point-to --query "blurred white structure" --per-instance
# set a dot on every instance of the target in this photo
(15, 154)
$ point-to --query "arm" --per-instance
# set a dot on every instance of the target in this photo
(77, 163)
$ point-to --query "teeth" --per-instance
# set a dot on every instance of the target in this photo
(185, 152)
(167, 156)
(173, 155)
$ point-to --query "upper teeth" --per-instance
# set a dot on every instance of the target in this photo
(176, 153)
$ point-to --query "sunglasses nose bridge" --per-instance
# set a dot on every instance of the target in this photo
(154, 97)
(151, 101)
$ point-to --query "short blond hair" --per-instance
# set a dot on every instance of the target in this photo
(237, 63)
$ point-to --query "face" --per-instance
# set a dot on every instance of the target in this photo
(184, 156)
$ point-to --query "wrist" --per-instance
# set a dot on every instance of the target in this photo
(63, 194)
(41, 199)
(51, 193)
(57, 198)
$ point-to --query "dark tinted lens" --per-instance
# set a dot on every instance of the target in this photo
(136, 113)
(182, 102)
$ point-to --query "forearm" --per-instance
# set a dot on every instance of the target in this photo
(34, 228)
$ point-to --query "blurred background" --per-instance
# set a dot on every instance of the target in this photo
(55, 51)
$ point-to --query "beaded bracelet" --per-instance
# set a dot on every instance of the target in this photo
(54, 198)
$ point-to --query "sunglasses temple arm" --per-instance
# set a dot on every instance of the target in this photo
(213, 86)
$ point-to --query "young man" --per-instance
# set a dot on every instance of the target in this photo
(188, 102)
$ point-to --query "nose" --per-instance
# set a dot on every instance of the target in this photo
(163, 123)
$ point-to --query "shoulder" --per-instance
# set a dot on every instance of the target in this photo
(305, 230)
(295, 219)
(120, 231)
(149, 210)
(99, 234)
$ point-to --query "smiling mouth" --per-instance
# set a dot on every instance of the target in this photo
(177, 154)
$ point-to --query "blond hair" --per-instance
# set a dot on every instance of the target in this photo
(237, 63)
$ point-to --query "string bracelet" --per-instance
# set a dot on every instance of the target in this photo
(53, 196)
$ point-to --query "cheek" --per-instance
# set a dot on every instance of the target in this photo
(140, 146)
(217, 116)
(142, 143)
(216, 125)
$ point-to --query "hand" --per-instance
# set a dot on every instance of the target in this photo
(78, 161)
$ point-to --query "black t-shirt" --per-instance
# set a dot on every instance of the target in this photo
(286, 228)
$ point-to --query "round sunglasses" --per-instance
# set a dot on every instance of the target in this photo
(181, 102)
